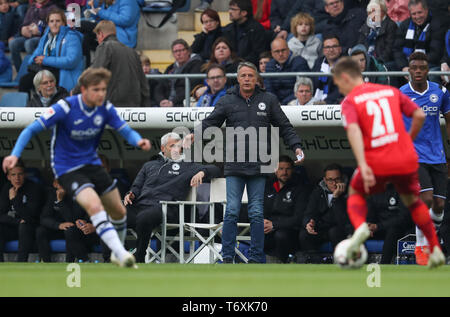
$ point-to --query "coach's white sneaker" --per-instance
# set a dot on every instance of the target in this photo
(436, 258)
(128, 260)
(359, 237)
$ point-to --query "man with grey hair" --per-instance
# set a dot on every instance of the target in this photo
(421, 32)
(46, 92)
(246, 106)
(168, 177)
(303, 91)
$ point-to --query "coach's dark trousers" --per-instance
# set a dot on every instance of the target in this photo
(280, 243)
(23, 232)
(148, 218)
(43, 237)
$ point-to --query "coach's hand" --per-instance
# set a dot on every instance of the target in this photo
(9, 162)
(310, 227)
(128, 199)
(188, 140)
(298, 152)
(144, 144)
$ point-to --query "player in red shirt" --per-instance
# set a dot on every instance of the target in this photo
(384, 151)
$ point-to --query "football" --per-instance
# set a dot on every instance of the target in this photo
(340, 256)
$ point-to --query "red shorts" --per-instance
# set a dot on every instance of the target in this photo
(404, 184)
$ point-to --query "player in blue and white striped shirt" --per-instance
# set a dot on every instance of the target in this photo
(78, 123)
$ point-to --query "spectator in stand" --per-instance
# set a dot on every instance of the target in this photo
(283, 62)
(279, 10)
(304, 43)
(264, 58)
(216, 83)
(128, 86)
(445, 63)
(292, 9)
(344, 22)
(211, 30)
(285, 201)
(389, 220)
(326, 90)
(261, 12)
(171, 93)
(20, 206)
(245, 34)
(378, 33)
(21, 7)
(9, 22)
(45, 92)
(124, 14)
(5, 65)
(59, 51)
(222, 53)
(152, 83)
(369, 64)
(326, 217)
(31, 29)
(303, 91)
(397, 10)
(422, 32)
(62, 218)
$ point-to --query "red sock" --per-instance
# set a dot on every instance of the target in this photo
(357, 210)
(421, 217)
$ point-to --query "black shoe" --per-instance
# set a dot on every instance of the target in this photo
(227, 261)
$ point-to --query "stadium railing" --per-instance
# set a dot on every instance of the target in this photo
(187, 77)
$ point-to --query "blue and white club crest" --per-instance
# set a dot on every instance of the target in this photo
(98, 120)
(74, 186)
(434, 98)
(392, 201)
(262, 106)
(175, 166)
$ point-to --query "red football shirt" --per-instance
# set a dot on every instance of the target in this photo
(377, 109)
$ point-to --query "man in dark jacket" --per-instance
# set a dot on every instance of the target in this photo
(246, 106)
(128, 86)
(326, 215)
(246, 35)
(171, 93)
(283, 61)
(422, 32)
(20, 206)
(388, 220)
(63, 218)
(285, 200)
(326, 90)
(344, 22)
(166, 178)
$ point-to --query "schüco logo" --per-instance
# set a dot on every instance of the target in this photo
(7, 116)
(430, 109)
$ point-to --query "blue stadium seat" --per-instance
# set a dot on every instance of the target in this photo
(6, 76)
(58, 246)
(326, 247)
(22, 71)
(34, 174)
(374, 246)
(14, 99)
(12, 246)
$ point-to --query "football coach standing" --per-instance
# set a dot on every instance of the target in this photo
(250, 112)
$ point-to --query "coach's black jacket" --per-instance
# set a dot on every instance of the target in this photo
(327, 216)
(25, 206)
(56, 212)
(261, 110)
(285, 207)
(165, 179)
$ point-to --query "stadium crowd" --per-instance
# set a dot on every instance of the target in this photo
(276, 35)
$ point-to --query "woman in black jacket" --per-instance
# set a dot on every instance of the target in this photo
(211, 30)
(46, 92)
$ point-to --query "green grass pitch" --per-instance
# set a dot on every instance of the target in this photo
(239, 280)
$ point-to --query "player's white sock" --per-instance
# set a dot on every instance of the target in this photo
(108, 234)
(420, 238)
(437, 218)
(121, 227)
